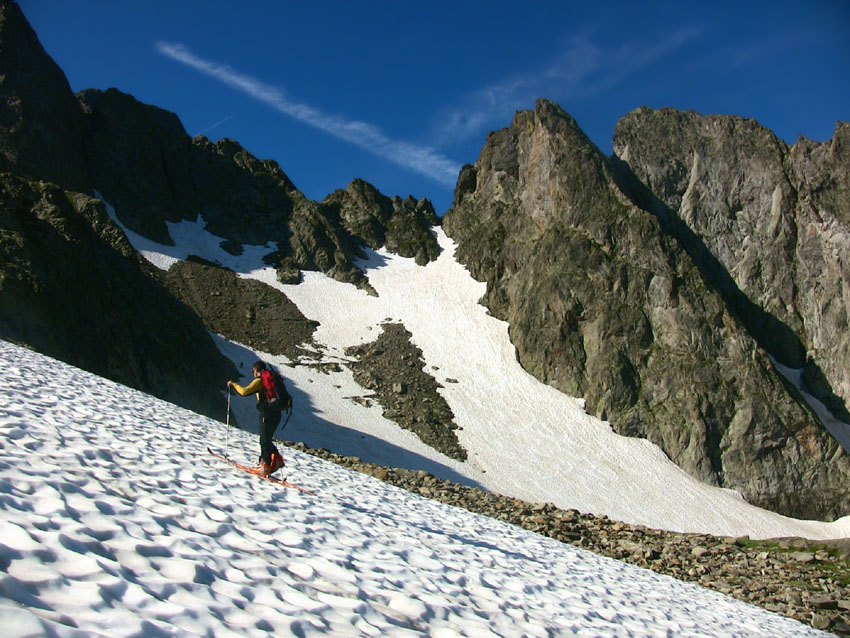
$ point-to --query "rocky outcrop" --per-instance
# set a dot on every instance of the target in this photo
(70, 284)
(136, 157)
(147, 167)
(242, 310)
(769, 224)
(402, 225)
(72, 287)
(393, 368)
(603, 303)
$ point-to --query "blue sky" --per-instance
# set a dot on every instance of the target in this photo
(402, 94)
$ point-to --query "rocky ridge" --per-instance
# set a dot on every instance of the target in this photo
(148, 168)
(40, 123)
(798, 578)
(604, 303)
(401, 225)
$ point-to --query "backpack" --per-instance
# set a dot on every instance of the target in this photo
(275, 397)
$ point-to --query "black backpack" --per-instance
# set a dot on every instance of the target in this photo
(274, 397)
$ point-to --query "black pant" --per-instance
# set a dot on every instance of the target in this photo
(268, 424)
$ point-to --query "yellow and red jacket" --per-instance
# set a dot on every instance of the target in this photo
(252, 388)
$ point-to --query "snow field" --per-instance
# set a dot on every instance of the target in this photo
(524, 438)
(114, 521)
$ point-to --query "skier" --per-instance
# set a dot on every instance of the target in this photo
(272, 398)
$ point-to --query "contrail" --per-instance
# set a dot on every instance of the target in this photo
(209, 128)
(423, 160)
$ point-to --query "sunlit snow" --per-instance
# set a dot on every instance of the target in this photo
(114, 521)
(524, 438)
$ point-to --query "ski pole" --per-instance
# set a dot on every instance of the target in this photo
(227, 421)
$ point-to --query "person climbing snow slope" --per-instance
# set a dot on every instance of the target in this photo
(272, 400)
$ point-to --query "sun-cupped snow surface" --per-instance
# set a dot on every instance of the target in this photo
(114, 521)
(524, 438)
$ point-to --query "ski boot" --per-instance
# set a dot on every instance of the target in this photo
(277, 462)
(262, 469)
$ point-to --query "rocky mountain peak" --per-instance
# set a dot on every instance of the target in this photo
(821, 170)
(644, 136)
(41, 128)
(559, 122)
(545, 164)
(402, 225)
(606, 301)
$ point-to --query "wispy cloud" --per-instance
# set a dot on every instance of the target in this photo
(583, 69)
(423, 160)
(219, 123)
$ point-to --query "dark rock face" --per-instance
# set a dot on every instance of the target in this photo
(136, 157)
(147, 167)
(402, 225)
(774, 219)
(41, 127)
(72, 287)
(70, 284)
(241, 310)
(392, 367)
(604, 304)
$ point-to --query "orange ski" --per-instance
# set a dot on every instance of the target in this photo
(247, 469)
